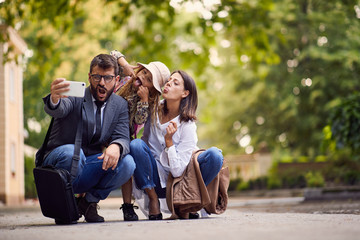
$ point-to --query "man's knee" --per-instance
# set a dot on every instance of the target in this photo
(60, 156)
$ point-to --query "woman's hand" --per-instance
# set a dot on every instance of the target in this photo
(129, 70)
(170, 131)
(143, 93)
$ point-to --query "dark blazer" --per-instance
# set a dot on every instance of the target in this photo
(115, 127)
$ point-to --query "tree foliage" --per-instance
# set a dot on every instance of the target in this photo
(269, 72)
(283, 98)
(42, 24)
(345, 123)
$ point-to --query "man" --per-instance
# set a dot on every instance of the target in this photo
(105, 139)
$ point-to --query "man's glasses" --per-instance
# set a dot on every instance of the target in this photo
(97, 77)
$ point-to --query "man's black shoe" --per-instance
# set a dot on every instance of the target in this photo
(89, 210)
(129, 213)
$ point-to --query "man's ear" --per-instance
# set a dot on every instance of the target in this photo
(117, 83)
(89, 75)
(185, 93)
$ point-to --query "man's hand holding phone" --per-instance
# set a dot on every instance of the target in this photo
(58, 87)
(61, 88)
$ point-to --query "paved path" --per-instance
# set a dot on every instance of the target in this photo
(245, 219)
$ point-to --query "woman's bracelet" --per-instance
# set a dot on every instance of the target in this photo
(117, 54)
(144, 104)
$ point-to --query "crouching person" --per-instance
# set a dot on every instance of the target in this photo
(105, 136)
(164, 156)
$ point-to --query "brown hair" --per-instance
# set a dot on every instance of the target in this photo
(154, 96)
(188, 105)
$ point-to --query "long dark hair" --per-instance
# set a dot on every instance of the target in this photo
(188, 105)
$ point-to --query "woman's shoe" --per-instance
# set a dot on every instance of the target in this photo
(129, 213)
(194, 215)
(156, 216)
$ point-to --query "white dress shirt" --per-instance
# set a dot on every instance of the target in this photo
(175, 159)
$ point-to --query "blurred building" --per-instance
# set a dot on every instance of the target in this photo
(249, 166)
(11, 117)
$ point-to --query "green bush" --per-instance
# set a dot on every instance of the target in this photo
(352, 177)
(292, 179)
(234, 184)
(345, 124)
(314, 179)
(30, 189)
(258, 183)
(274, 182)
(344, 168)
(286, 159)
(321, 158)
(341, 168)
(242, 186)
(303, 159)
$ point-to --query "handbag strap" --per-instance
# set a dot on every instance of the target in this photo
(78, 140)
(41, 152)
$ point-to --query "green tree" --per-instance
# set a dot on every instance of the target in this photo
(304, 60)
(62, 38)
(42, 24)
(268, 71)
(344, 122)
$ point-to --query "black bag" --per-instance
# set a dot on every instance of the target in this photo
(53, 185)
(56, 195)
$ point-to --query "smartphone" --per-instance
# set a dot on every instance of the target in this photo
(77, 89)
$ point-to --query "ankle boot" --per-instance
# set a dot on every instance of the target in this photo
(89, 210)
(129, 213)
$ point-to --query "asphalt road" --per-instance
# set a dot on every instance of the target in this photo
(275, 218)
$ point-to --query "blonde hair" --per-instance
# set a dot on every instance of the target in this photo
(154, 96)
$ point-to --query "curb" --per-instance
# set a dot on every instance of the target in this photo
(331, 193)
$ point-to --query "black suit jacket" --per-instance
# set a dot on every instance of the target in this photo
(115, 127)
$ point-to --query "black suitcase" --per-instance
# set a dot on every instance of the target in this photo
(56, 195)
(53, 185)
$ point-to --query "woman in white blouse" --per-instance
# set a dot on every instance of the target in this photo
(167, 145)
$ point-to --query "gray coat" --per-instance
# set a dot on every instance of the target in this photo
(115, 127)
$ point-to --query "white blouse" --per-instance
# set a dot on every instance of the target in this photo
(175, 159)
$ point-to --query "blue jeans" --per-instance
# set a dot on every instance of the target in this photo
(146, 174)
(91, 178)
